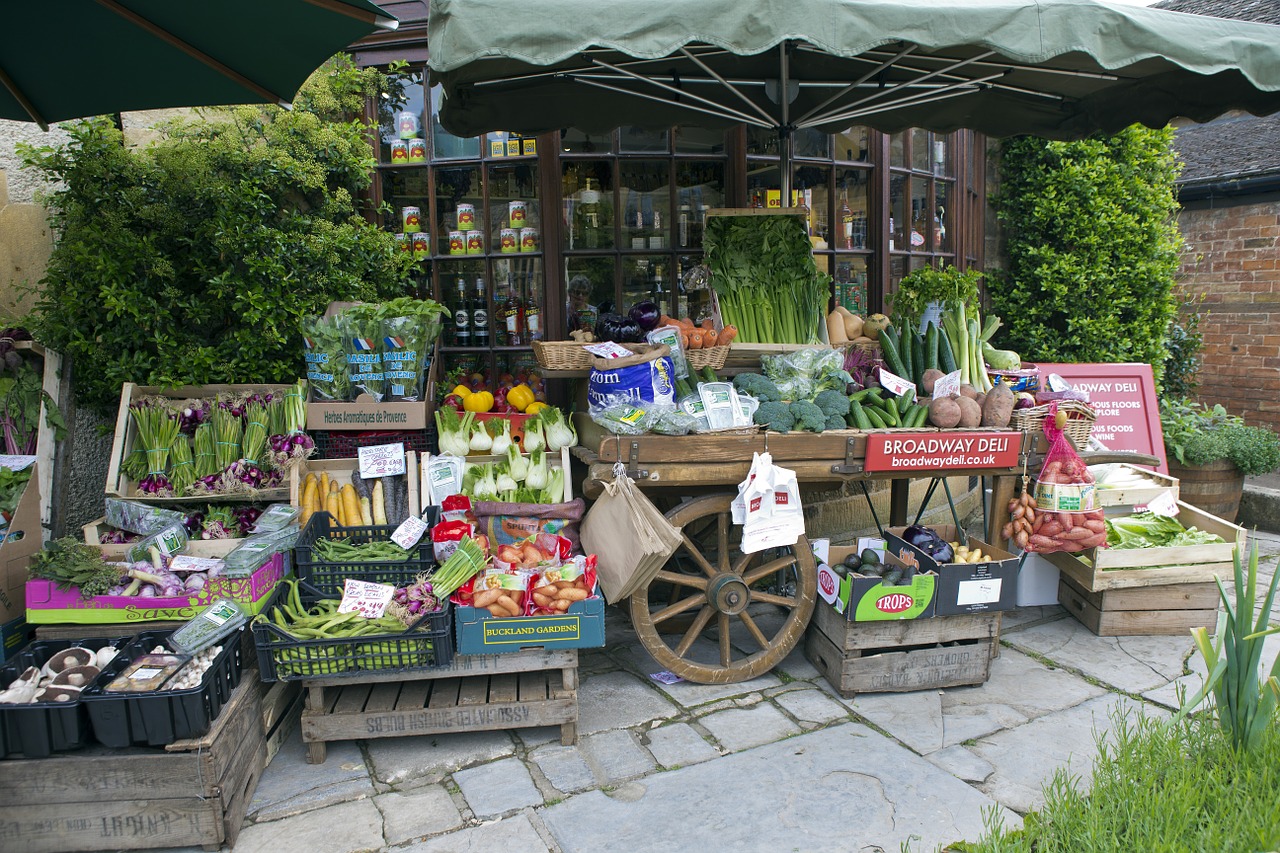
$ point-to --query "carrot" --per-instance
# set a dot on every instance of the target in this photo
(695, 340)
(709, 338)
(684, 340)
(727, 334)
(708, 325)
(664, 320)
(333, 506)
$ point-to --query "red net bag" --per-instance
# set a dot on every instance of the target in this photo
(1066, 518)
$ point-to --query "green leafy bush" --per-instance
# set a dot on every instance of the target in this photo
(1197, 434)
(1183, 346)
(196, 259)
(1092, 247)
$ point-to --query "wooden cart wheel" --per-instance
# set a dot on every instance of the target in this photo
(720, 590)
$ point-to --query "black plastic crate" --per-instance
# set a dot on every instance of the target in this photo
(328, 577)
(38, 729)
(165, 716)
(337, 444)
(428, 644)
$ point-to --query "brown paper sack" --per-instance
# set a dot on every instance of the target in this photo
(631, 539)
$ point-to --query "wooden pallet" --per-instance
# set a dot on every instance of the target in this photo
(1149, 610)
(902, 655)
(193, 792)
(476, 693)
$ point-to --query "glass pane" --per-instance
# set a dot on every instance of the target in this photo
(515, 368)
(590, 290)
(459, 226)
(645, 197)
(897, 149)
(941, 164)
(761, 179)
(851, 144)
(470, 369)
(808, 142)
(400, 111)
(700, 186)
(851, 209)
(920, 218)
(897, 270)
(762, 142)
(693, 290)
(588, 204)
(575, 141)
(501, 143)
(638, 139)
(699, 140)
(921, 150)
(941, 229)
(519, 294)
(647, 277)
(444, 145)
(898, 224)
(457, 281)
(810, 184)
(514, 221)
(850, 283)
(405, 191)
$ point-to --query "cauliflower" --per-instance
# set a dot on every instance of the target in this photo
(833, 403)
(775, 416)
(808, 416)
(758, 386)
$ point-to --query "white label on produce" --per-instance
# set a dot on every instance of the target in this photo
(381, 460)
(1163, 504)
(948, 386)
(409, 532)
(608, 349)
(183, 563)
(985, 591)
(896, 385)
(16, 463)
(370, 600)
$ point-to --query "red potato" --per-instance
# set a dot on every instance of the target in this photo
(1070, 547)
(1095, 525)
(1077, 534)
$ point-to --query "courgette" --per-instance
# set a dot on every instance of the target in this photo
(861, 421)
(904, 402)
(876, 418)
(904, 350)
(917, 360)
(889, 352)
(931, 347)
(946, 355)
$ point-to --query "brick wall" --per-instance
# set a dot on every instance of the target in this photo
(1233, 257)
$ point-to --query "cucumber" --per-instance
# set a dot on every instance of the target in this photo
(904, 350)
(931, 347)
(917, 360)
(875, 418)
(860, 419)
(904, 402)
(890, 416)
(915, 418)
(708, 374)
(889, 352)
(946, 355)
(859, 396)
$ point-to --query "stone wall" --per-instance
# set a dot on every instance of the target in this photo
(1233, 258)
(25, 238)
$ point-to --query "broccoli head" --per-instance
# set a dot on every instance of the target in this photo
(775, 416)
(758, 386)
(808, 416)
(835, 422)
(833, 403)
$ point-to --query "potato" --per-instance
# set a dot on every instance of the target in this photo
(997, 408)
(508, 604)
(931, 378)
(970, 412)
(486, 597)
(944, 412)
(967, 390)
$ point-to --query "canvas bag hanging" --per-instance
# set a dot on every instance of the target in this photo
(631, 539)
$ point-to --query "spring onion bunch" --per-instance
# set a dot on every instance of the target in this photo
(227, 431)
(183, 474)
(254, 440)
(468, 560)
(157, 429)
(205, 459)
(288, 417)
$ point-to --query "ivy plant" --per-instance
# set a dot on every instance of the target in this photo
(1092, 247)
(196, 259)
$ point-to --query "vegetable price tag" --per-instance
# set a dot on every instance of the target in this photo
(409, 532)
(948, 386)
(370, 600)
(381, 460)
(896, 385)
(1163, 504)
(609, 349)
(183, 563)
(16, 463)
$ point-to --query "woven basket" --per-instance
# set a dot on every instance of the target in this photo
(562, 355)
(1080, 420)
(713, 357)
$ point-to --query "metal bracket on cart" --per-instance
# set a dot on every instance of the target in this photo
(851, 464)
(634, 471)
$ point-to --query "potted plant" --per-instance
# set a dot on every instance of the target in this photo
(924, 292)
(1211, 452)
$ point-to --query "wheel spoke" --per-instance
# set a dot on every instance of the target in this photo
(693, 551)
(676, 609)
(725, 658)
(770, 598)
(754, 629)
(699, 622)
(722, 542)
(681, 579)
(767, 569)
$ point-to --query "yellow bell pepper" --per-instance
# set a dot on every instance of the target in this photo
(462, 391)
(520, 397)
(534, 407)
(479, 401)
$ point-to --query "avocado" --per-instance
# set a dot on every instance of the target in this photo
(869, 557)
(870, 571)
(840, 570)
(892, 577)
(852, 561)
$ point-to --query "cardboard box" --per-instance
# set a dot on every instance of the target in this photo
(364, 413)
(23, 538)
(14, 636)
(340, 471)
(867, 599)
(481, 633)
(965, 587)
(126, 433)
(48, 605)
(218, 548)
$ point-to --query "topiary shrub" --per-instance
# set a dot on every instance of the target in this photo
(195, 259)
(1092, 248)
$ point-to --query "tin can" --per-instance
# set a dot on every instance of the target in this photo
(408, 125)
(404, 242)
(417, 150)
(457, 242)
(528, 239)
(518, 214)
(399, 151)
(528, 146)
(410, 219)
(513, 146)
(509, 240)
(421, 245)
(475, 243)
(466, 217)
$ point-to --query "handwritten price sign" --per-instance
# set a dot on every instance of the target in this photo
(370, 600)
(381, 460)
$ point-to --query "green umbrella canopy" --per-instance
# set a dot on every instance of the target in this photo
(106, 56)
(1055, 68)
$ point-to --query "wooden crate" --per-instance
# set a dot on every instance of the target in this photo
(476, 693)
(1170, 609)
(1138, 495)
(901, 656)
(216, 548)
(193, 792)
(46, 444)
(1100, 569)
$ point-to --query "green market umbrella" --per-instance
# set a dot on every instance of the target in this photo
(1059, 69)
(107, 56)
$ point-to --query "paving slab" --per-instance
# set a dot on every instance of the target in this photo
(1131, 664)
(564, 767)
(498, 787)
(883, 795)
(811, 706)
(961, 763)
(797, 667)
(679, 745)
(1011, 620)
(510, 835)
(424, 811)
(537, 736)
(742, 728)
(615, 756)
(687, 693)
(291, 786)
(619, 700)
(342, 828)
(430, 758)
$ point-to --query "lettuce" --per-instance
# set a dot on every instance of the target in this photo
(1148, 530)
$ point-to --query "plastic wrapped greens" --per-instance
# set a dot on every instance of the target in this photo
(361, 331)
(139, 518)
(326, 359)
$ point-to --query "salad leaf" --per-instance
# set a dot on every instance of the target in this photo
(1148, 530)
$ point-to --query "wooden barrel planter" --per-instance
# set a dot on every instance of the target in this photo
(1215, 488)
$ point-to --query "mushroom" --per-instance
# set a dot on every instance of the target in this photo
(67, 658)
(76, 676)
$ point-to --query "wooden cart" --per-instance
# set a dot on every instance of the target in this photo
(710, 593)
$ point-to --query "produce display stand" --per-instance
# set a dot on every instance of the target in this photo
(475, 693)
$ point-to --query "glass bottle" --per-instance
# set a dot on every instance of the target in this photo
(917, 225)
(513, 318)
(661, 297)
(939, 228)
(479, 315)
(591, 219)
(532, 316)
(461, 316)
(684, 224)
(845, 239)
(498, 325)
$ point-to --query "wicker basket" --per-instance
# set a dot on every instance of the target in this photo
(713, 357)
(1080, 420)
(562, 355)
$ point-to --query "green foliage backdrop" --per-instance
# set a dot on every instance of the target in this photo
(1092, 246)
(196, 258)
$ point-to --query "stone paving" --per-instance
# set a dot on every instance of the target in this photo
(778, 763)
